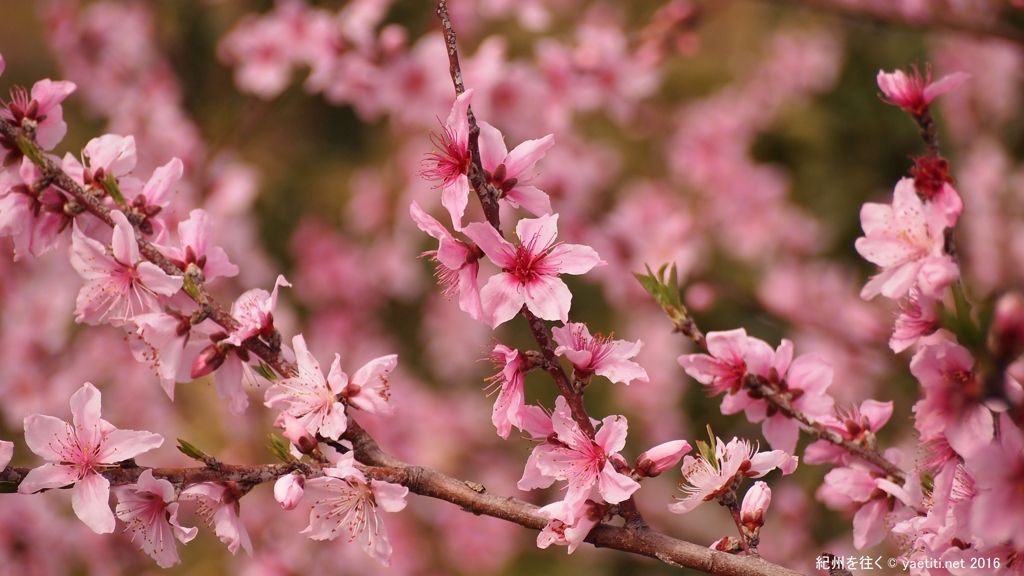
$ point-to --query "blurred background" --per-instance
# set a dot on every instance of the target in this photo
(735, 139)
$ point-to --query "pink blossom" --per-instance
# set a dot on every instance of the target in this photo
(368, 389)
(914, 93)
(858, 424)
(118, 286)
(998, 511)
(918, 317)
(309, 397)
(704, 480)
(78, 452)
(110, 155)
(288, 490)
(873, 495)
(196, 238)
(160, 340)
(660, 458)
(755, 506)
(254, 311)
(598, 354)
(583, 462)
(458, 263)
(510, 406)
(450, 164)
(952, 404)
(568, 532)
(6, 448)
(219, 504)
(151, 513)
(295, 432)
(530, 270)
(907, 239)
(507, 171)
(34, 222)
(725, 368)
(42, 110)
(344, 498)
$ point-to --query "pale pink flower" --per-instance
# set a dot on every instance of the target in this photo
(530, 270)
(873, 495)
(78, 452)
(288, 490)
(918, 317)
(219, 505)
(704, 480)
(108, 155)
(660, 458)
(117, 286)
(254, 310)
(458, 263)
(913, 93)
(450, 164)
(368, 389)
(6, 448)
(151, 513)
(598, 354)
(345, 499)
(510, 406)
(755, 506)
(723, 370)
(907, 239)
(309, 397)
(160, 341)
(34, 222)
(196, 238)
(583, 462)
(42, 109)
(952, 404)
(858, 424)
(507, 171)
(997, 514)
(572, 532)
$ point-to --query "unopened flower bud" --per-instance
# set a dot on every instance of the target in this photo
(295, 432)
(660, 458)
(288, 490)
(755, 505)
(208, 360)
(1008, 326)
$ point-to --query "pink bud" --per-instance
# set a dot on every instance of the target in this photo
(208, 360)
(288, 490)
(295, 432)
(1008, 327)
(755, 505)
(661, 458)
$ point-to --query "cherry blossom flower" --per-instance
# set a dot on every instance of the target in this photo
(288, 490)
(450, 164)
(219, 505)
(6, 448)
(952, 404)
(507, 171)
(510, 406)
(118, 286)
(254, 310)
(858, 424)
(755, 505)
(907, 239)
(660, 458)
(598, 354)
(705, 480)
(160, 341)
(309, 397)
(997, 514)
(77, 452)
(570, 533)
(196, 238)
(149, 510)
(33, 221)
(583, 462)
(108, 155)
(918, 317)
(913, 93)
(872, 494)
(723, 370)
(343, 498)
(530, 270)
(42, 109)
(458, 263)
(368, 388)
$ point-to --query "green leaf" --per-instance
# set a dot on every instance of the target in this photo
(110, 185)
(279, 448)
(266, 371)
(191, 451)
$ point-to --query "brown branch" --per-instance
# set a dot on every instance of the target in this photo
(889, 14)
(251, 474)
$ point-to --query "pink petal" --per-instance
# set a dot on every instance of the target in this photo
(548, 297)
(811, 373)
(728, 346)
(427, 223)
(469, 292)
(944, 85)
(157, 280)
(492, 147)
(973, 431)
(6, 448)
(390, 497)
(455, 198)
(43, 433)
(121, 445)
(615, 487)
(125, 246)
(85, 415)
(524, 156)
(869, 524)
(502, 298)
(499, 250)
(46, 477)
(878, 413)
(458, 118)
(537, 233)
(531, 198)
(573, 259)
(781, 433)
(157, 189)
(113, 153)
(90, 501)
(764, 462)
(612, 435)
(228, 381)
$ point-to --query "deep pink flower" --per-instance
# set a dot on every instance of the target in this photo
(196, 238)
(725, 368)
(309, 397)
(368, 389)
(510, 406)
(918, 317)
(219, 504)
(508, 171)
(117, 286)
(78, 452)
(874, 496)
(458, 263)
(907, 239)
(704, 480)
(571, 533)
(858, 424)
(598, 355)
(530, 270)
(997, 514)
(343, 498)
(450, 163)
(913, 93)
(42, 108)
(952, 404)
(151, 513)
(33, 222)
(254, 310)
